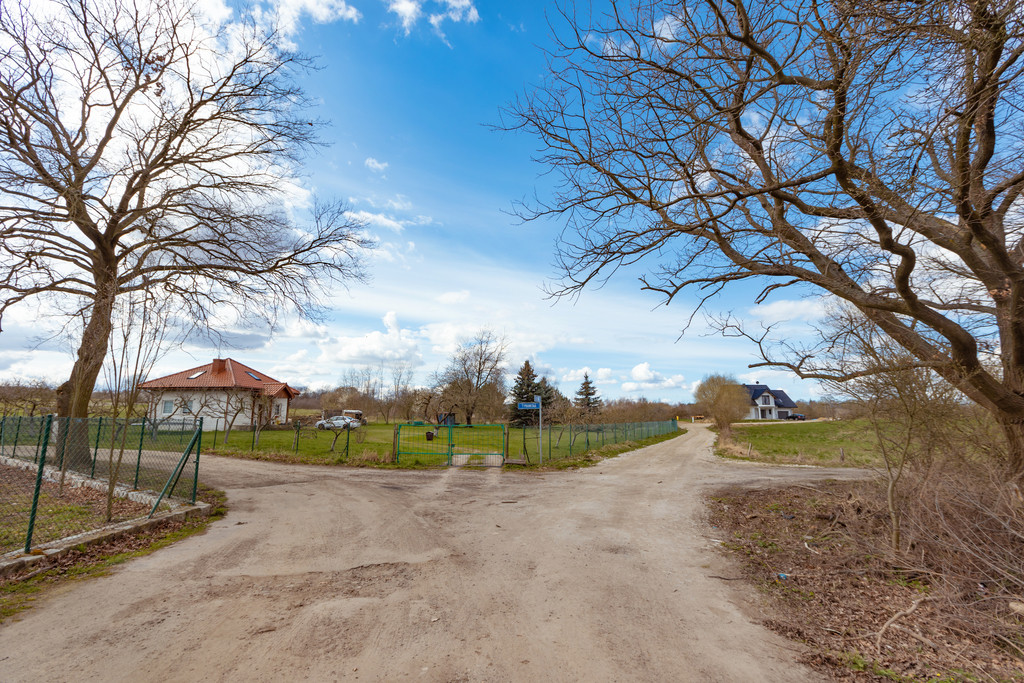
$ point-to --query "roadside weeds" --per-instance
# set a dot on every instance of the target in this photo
(862, 618)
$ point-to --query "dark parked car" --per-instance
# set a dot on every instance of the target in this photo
(796, 416)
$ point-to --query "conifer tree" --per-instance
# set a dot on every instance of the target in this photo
(524, 389)
(587, 398)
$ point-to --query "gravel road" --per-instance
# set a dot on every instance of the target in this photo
(603, 574)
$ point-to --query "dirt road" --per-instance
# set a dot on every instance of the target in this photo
(328, 574)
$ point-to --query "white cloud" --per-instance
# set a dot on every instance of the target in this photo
(379, 220)
(576, 375)
(604, 375)
(375, 166)
(458, 297)
(646, 379)
(642, 373)
(290, 12)
(787, 309)
(408, 12)
(394, 344)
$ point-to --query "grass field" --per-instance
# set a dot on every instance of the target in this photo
(373, 444)
(370, 442)
(835, 443)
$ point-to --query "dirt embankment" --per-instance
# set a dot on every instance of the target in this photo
(331, 574)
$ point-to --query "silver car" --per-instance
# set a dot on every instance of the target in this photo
(337, 422)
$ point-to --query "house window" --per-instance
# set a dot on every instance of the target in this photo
(277, 410)
(253, 376)
(168, 407)
(187, 408)
(766, 400)
(196, 374)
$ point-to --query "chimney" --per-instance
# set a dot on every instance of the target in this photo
(218, 366)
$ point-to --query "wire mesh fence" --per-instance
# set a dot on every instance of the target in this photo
(448, 445)
(561, 441)
(64, 476)
(491, 445)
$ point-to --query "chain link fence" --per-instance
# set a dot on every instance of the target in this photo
(491, 445)
(562, 441)
(446, 445)
(64, 476)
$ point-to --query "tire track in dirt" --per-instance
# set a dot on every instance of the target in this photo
(454, 575)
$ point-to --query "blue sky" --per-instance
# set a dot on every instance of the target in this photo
(412, 90)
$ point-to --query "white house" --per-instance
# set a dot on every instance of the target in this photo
(225, 393)
(768, 404)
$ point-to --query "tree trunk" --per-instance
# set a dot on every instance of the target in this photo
(74, 395)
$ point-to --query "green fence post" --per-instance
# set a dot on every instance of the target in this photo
(17, 433)
(3, 425)
(39, 440)
(199, 448)
(138, 458)
(64, 441)
(396, 443)
(348, 437)
(96, 448)
(451, 443)
(39, 484)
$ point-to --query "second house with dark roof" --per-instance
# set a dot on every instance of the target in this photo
(768, 404)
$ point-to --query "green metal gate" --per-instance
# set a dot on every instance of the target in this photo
(451, 445)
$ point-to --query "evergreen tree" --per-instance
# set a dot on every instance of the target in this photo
(524, 389)
(587, 398)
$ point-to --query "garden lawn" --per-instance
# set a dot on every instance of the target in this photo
(835, 443)
(370, 442)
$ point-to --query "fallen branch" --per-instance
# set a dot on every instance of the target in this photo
(899, 615)
(916, 636)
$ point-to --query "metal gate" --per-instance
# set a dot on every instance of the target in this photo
(450, 445)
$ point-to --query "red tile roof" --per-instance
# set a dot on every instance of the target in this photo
(223, 373)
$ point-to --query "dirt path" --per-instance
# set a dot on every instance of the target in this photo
(327, 574)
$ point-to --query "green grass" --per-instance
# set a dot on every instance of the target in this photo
(372, 444)
(807, 443)
(366, 442)
(596, 455)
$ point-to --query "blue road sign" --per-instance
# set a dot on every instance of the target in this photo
(531, 405)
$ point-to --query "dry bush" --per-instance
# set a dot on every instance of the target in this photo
(962, 532)
(368, 456)
(965, 537)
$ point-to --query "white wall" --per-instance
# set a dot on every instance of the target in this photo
(211, 405)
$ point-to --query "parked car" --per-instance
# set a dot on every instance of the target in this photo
(337, 422)
(796, 416)
(356, 415)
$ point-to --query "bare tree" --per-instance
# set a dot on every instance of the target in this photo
(395, 395)
(140, 338)
(724, 399)
(26, 397)
(871, 150)
(912, 410)
(144, 148)
(475, 376)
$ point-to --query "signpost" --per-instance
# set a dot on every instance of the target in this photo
(535, 404)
